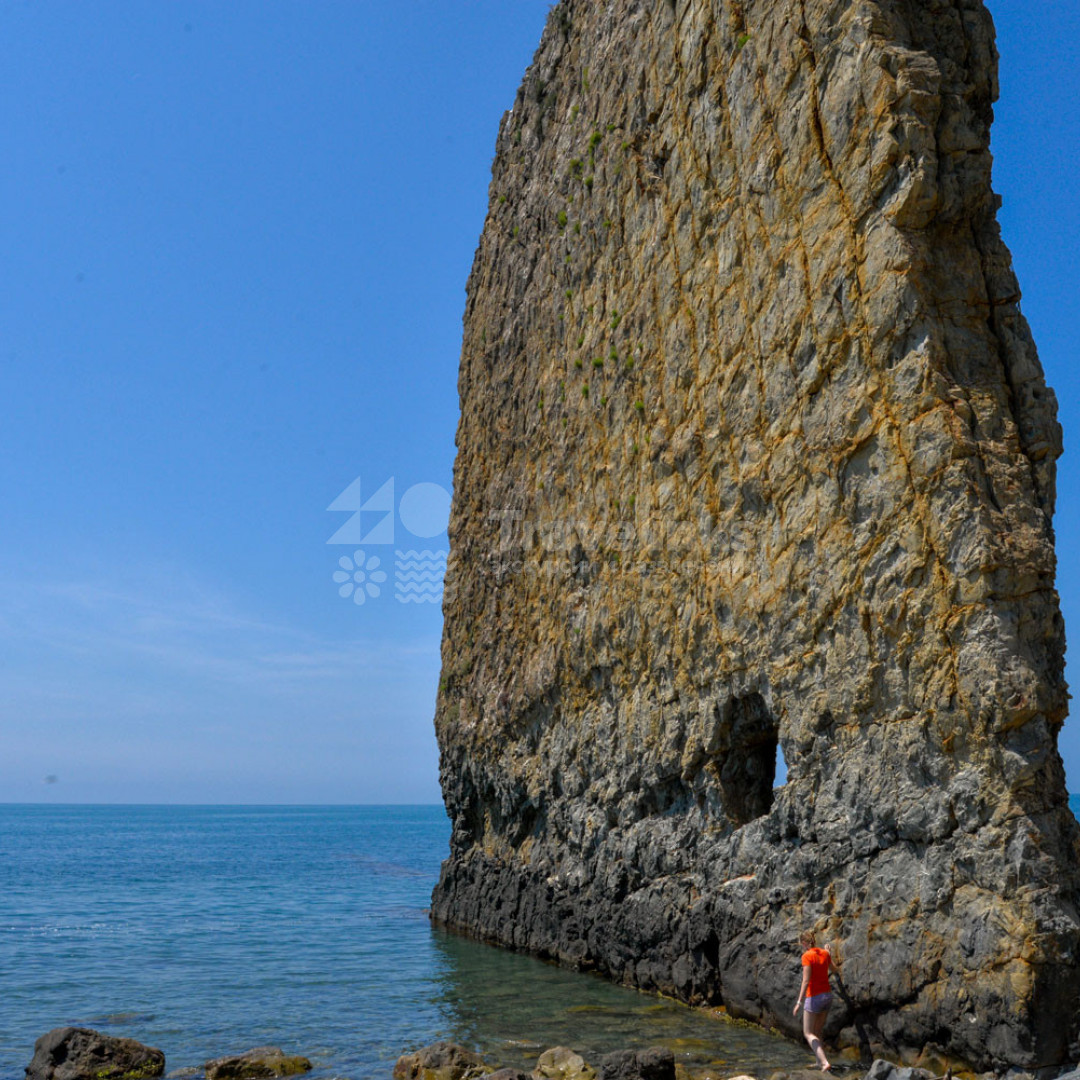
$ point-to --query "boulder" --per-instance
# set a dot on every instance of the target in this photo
(656, 1063)
(71, 1053)
(262, 1061)
(886, 1070)
(562, 1063)
(440, 1061)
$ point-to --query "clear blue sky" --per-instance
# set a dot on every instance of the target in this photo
(235, 241)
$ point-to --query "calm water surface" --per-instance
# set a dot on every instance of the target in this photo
(208, 930)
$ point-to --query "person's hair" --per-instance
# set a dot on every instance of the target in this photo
(808, 937)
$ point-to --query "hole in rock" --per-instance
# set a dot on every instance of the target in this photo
(750, 764)
(780, 779)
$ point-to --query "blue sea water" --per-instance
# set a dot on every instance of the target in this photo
(209, 930)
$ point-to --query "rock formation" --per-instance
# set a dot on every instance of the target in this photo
(756, 454)
(71, 1053)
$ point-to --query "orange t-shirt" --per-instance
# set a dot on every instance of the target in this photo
(818, 961)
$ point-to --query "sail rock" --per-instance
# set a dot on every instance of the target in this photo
(756, 457)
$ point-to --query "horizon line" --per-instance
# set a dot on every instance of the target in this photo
(266, 806)
(227, 805)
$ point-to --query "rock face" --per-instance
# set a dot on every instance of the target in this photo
(72, 1053)
(756, 454)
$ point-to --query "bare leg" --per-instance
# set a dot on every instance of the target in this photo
(813, 1026)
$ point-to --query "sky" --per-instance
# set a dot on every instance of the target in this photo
(235, 242)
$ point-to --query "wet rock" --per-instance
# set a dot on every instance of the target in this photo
(886, 1070)
(656, 1063)
(756, 456)
(262, 1061)
(562, 1063)
(509, 1074)
(440, 1061)
(71, 1053)
(934, 1061)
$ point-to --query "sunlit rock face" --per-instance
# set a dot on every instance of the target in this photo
(756, 455)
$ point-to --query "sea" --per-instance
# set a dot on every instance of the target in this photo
(206, 931)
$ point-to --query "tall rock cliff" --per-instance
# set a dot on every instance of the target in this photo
(756, 455)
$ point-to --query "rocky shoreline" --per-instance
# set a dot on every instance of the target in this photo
(449, 1061)
(74, 1053)
(71, 1053)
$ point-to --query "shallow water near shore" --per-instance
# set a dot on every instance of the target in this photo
(209, 930)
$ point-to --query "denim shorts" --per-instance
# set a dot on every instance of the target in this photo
(818, 1003)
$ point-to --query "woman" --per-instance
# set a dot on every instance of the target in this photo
(815, 995)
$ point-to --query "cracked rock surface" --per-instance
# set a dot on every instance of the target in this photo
(756, 456)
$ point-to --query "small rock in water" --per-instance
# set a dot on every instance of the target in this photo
(508, 1074)
(122, 1018)
(656, 1063)
(562, 1063)
(439, 1061)
(71, 1053)
(263, 1061)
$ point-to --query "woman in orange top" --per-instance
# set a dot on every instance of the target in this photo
(815, 996)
